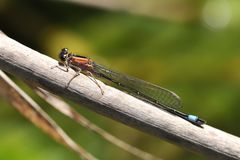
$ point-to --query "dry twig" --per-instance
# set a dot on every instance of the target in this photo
(32, 111)
(64, 108)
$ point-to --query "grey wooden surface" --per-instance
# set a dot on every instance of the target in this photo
(35, 67)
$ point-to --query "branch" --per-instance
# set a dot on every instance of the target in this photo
(30, 65)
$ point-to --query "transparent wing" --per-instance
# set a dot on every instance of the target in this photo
(146, 91)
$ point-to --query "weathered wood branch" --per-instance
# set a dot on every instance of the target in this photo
(32, 66)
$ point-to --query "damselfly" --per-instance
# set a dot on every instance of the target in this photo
(158, 96)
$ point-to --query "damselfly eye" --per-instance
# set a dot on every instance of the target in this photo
(64, 50)
(63, 54)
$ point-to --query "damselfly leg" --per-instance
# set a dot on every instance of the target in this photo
(78, 71)
(89, 74)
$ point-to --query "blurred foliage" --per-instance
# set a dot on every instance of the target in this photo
(198, 59)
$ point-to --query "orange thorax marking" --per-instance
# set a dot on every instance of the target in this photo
(83, 63)
(78, 60)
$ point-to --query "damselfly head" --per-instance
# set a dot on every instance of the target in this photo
(63, 54)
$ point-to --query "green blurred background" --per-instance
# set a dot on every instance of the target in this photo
(191, 48)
